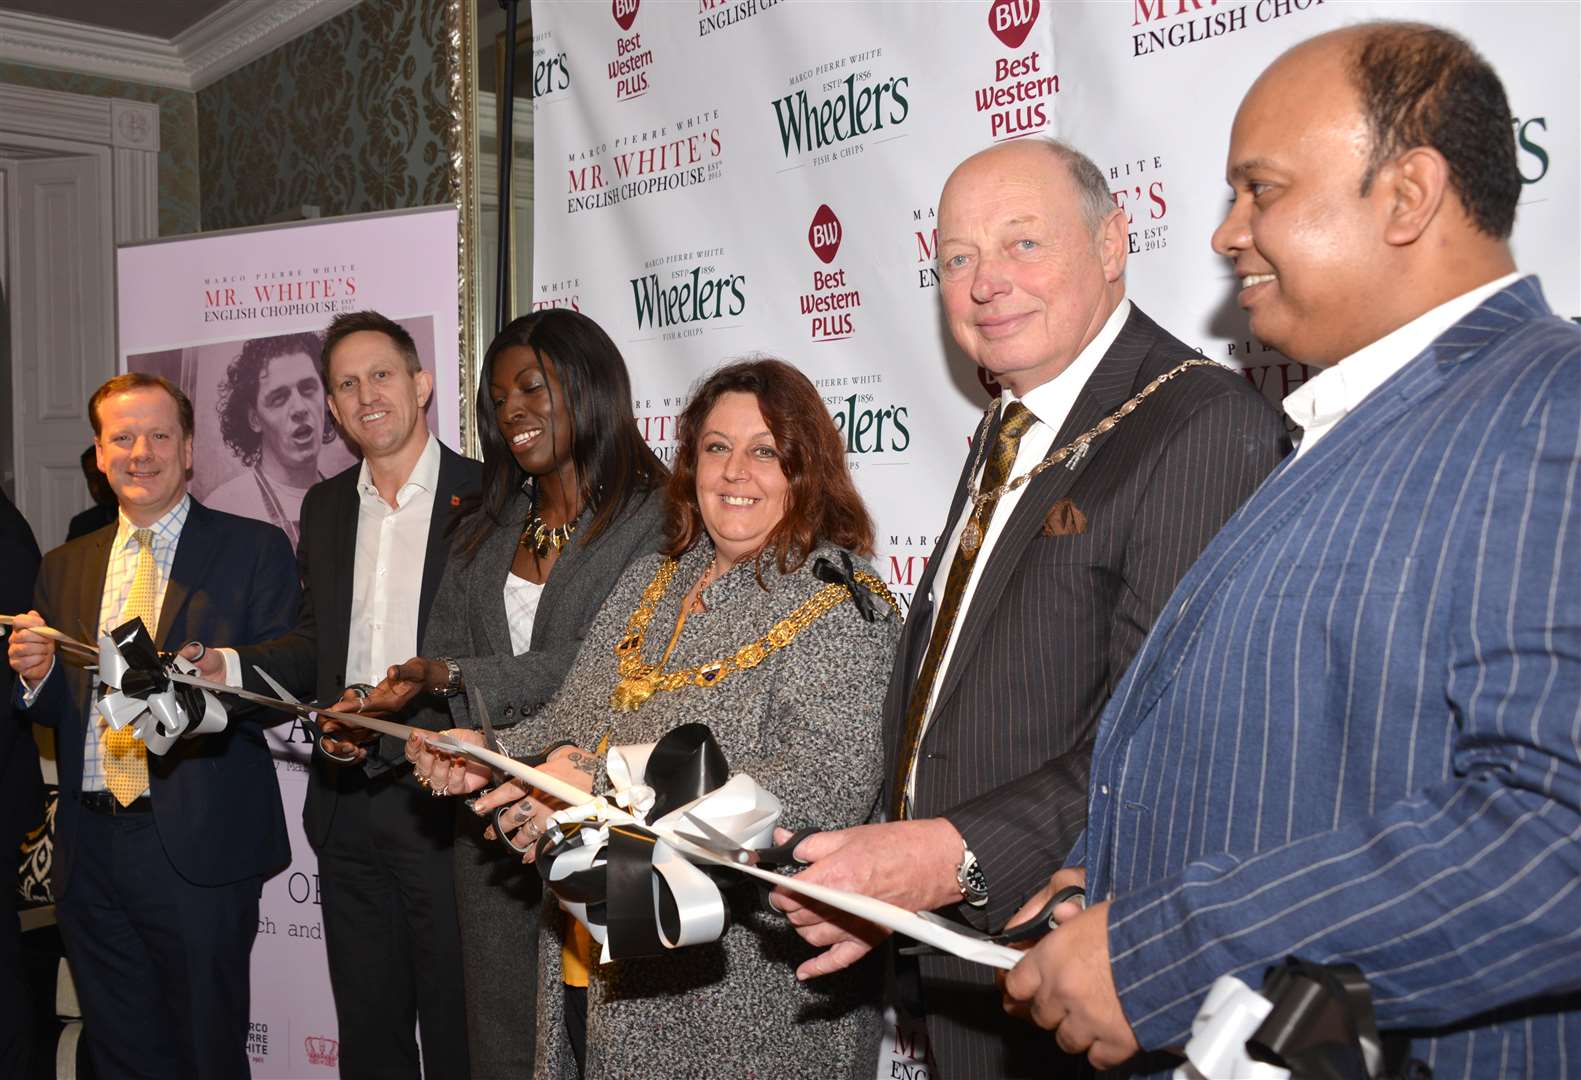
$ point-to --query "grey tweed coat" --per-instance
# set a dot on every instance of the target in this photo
(805, 725)
(497, 898)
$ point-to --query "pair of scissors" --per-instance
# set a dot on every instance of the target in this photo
(767, 858)
(308, 714)
(491, 740)
(1031, 930)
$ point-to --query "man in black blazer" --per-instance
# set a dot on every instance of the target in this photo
(374, 540)
(159, 859)
(1036, 599)
(21, 793)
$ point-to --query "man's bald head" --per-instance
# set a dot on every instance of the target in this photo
(1090, 186)
(1369, 186)
(1031, 258)
(1419, 85)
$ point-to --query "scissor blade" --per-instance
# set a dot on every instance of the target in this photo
(274, 684)
(487, 727)
(718, 842)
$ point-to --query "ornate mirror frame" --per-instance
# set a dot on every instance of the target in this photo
(461, 44)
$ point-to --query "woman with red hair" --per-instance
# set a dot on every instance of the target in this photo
(759, 619)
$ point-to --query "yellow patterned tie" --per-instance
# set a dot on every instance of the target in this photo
(125, 758)
(1013, 424)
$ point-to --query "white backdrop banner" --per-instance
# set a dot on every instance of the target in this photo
(721, 177)
(236, 319)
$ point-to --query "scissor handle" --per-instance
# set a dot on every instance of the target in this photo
(1041, 923)
(1031, 930)
(783, 854)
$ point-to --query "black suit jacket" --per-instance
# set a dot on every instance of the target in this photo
(1055, 619)
(21, 786)
(216, 802)
(311, 659)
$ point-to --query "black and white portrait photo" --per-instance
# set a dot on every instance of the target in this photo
(264, 433)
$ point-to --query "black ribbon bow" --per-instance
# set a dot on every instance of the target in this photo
(621, 890)
(825, 570)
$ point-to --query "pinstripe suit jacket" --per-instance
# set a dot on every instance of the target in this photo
(1052, 624)
(1355, 735)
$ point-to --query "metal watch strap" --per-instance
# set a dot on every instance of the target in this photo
(452, 685)
(969, 878)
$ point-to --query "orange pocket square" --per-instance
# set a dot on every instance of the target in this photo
(1064, 519)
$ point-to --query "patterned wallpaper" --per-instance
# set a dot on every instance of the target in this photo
(178, 134)
(350, 117)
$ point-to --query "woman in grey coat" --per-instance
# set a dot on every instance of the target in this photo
(569, 500)
(763, 521)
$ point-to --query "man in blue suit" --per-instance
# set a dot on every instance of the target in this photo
(1354, 734)
(159, 859)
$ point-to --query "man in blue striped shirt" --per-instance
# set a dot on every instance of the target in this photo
(1355, 733)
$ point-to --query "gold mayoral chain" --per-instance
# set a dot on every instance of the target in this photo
(972, 532)
(640, 681)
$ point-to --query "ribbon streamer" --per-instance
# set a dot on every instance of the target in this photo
(580, 882)
(632, 883)
(159, 708)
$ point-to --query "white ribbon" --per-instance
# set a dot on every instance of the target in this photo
(740, 810)
(158, 719)
(1229, 1016)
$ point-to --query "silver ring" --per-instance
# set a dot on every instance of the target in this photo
(532, 829)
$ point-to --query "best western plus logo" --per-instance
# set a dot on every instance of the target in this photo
(833, 118)
(830, 304)
(628, 69)
(1016, 101)
(682, 291)
(1141, 196)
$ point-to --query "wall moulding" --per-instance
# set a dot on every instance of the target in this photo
(230, 38)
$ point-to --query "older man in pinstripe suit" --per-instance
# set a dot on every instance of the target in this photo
(1068, 531)
(1355, 734)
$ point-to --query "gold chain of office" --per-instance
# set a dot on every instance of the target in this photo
(640, 681)
(972, 531)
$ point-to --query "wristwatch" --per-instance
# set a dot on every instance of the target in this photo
(969, 877)
(452, 685)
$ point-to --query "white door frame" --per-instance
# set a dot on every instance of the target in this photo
(125, 136)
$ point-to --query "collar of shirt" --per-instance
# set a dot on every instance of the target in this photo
(1326, 398)
(424, 477)
(1051, 402)
(167, 530)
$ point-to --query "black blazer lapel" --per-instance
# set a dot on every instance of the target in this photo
(195, 551)
(447, 496)
(334, 610)
(918, 630)
(89, 585)
(1106, 389)
(491, 567)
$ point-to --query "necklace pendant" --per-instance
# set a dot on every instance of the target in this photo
(971, 538)
(630, 693)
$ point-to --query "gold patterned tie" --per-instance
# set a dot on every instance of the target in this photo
(1015, 422)
(125, 758)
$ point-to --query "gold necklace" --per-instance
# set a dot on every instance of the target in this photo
(539, 538)
(640, 681)
(972, 532)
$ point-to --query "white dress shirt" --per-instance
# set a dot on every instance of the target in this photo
(118, 575)
(1051, 404)
(521, 610)
(387, 577)
(1323, 400)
